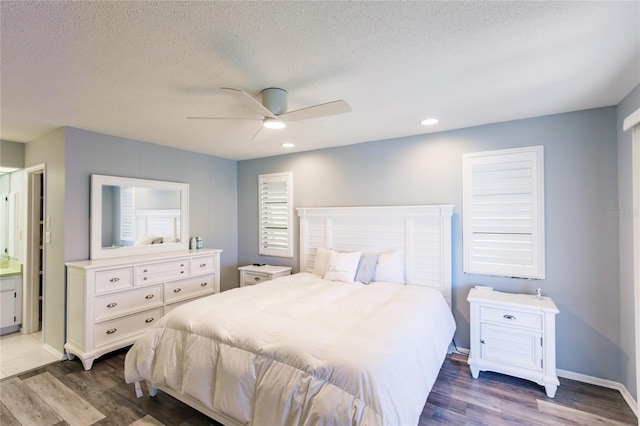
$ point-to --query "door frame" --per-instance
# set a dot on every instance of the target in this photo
(36, 188)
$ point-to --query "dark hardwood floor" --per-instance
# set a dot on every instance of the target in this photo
(63, 393)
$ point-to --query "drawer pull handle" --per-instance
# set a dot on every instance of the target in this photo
(145, 270)
(114, 279)
(202, 265)
(177, 290)
(112, 330)
(509, 317)
(149, 296)
(482, 341)
(148, 320)
(256, 278)
(112, 305)
(182, 272)
(181, 265)
(204, 284)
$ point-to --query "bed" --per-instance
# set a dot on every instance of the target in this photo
(316, 347)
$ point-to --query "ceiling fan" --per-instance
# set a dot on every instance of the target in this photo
(273, 108)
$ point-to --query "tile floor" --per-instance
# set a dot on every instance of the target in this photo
(22, 352)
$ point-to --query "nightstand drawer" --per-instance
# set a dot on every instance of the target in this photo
(251, 278)
(511, 317)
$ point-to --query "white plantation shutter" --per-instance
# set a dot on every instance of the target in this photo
(127, 214)
(503, 212)
(276, 214)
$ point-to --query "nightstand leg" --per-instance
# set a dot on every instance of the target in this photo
(474, 372)
(550, 390)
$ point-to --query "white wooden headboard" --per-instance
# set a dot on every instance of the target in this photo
(421, 233)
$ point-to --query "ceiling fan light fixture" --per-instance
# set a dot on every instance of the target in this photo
(429, 121)
(273, 123)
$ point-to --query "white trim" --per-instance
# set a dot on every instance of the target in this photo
(635, 185)
(631, 120)
(610, 384)
(583, 378)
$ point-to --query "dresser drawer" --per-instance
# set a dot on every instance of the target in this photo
(203, 265)
(115, 304)
(114, 279)
(164, 271)
(186, 289)
(511, 317)
(119, 328)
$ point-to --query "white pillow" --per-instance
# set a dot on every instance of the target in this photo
(146, 240)
(342, 266)
(390, 267)
(322, 259)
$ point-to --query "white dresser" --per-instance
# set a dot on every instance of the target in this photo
(110, 302)
(255, 274)
(514, 334)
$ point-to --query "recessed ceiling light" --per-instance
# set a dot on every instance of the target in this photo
(273, 123)
(288, 145)
(429, 121)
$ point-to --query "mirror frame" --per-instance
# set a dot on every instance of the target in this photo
(99, 252)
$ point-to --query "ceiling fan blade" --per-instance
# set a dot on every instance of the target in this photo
(317, 111)
(223, 118)
(249, 101)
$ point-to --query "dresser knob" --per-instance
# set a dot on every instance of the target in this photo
(148, 320)
(112, 305)
(145, 270)
(144, 279)
(181, 265)
(204, 284)
(115, 279)
(508, 317)
(256, 278)
(149, 296)
(112, 330)
(202, 265)
(177, 290)
(182, 272)
(482, 341)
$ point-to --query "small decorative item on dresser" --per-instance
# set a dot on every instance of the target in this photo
(514, 334)
(259, 272)
(198, 243)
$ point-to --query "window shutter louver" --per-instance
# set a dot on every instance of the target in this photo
(276, 207)
(127, 214)
(503, 212)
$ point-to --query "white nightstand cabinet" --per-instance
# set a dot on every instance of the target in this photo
(252, 274)
(514, 334)
(111, 302)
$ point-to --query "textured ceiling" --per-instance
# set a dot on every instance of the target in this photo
(138, 69)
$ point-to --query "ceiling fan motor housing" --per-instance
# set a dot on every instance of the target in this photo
(275, 100)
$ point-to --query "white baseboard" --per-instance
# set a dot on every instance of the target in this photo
(590, 380)
(604, 383)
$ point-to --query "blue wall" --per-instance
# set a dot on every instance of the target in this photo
(212, 189)
(580, 197)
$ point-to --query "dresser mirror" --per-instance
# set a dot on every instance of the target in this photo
(137, 216)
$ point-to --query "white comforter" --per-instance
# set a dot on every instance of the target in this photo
(302, 350)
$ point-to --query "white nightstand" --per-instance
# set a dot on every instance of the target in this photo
(514, 334)
(252, 274)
